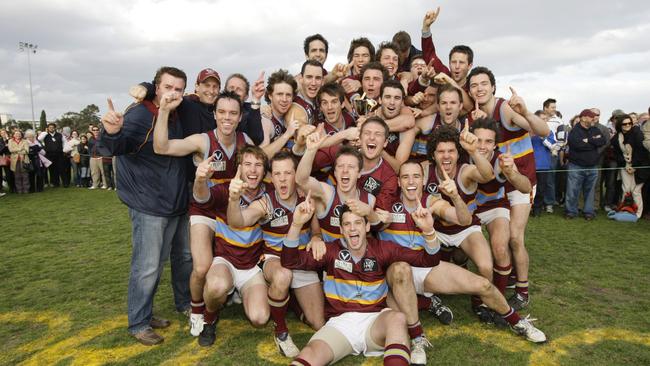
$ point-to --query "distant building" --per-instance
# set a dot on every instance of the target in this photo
(5, 118)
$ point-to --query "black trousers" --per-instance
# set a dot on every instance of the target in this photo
(538, 202)
(55, 168)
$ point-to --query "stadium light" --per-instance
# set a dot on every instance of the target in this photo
(29, 48)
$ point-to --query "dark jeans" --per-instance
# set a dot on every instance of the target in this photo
(584, 181)
(108, 174)
(66, 170)
(55, 168)
(609, 188)
(549, 195)
(9, 177)
(543, 177)
(36, 180)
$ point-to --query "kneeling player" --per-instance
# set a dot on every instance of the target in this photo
(356, 289)
(274, 212)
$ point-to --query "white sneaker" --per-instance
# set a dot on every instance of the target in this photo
(418, 354)
(92, 187)
(196, 324)
(549, 209)
(286, 347)
(526, 328)
(104, 187)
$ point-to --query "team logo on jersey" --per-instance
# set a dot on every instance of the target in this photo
(432, 188)
(392, 137)
(344, 261)
(242, 202)
(280, 218)
(345, 255)
(398, 215)
(335, 218)
(337, 211)
(371, 185)
(370, 265)
(278, 130)
(398, 207)
(331, 133)
(218, 155)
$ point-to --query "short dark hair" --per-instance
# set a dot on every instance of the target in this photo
(548, 102)
(283, 155)
(443, 134)
(465, 50)
(386, 46)
(280, 76)
(173, 71)
(257, 152)
(379, 121)
(242, 78)
(310, 63)
(315, 37)
(487, 123)
(332, 89)
(482, 70)
(410, 161)
(345, 209)
(448, 88)
(391, 83)
(402, 40)
(229, 95)
(361, 42)
(374, 65)
(352, 151)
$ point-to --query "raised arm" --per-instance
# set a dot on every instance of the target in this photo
(291, 257)
(176, 147)
(509, 169)
(237, 217)
(481, 171)
(518, 114)
(458, 213)
(200, 189)
(304, 180)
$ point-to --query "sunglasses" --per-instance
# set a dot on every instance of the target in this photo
(626, 124)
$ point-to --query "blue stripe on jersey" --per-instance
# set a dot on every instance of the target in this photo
(244, 238)
(355, 291)
(274, 241)
(483, 197)
(328, 236)
(419, 147)
(408, 239)
(519, 146)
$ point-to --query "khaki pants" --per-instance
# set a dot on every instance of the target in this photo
(629, 185)
(97, 172)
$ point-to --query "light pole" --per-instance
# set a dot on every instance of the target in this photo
(29, 48)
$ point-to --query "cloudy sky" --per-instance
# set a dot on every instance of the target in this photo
(585, 54)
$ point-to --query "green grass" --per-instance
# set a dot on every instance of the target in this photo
(64, 271)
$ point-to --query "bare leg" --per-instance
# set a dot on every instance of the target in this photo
(312, 303)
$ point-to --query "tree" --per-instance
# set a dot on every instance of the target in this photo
(43, 124)
(80, 120)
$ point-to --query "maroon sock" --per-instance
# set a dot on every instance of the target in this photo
(397, 355)
(511, 317)
(299, 362)
(415, 330)
(521, 287)
(501, 275)
(278, 314)
(198, 306)
(210, 317)
(423, 302)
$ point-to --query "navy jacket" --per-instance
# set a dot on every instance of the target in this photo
(147, 182)
(585, 153)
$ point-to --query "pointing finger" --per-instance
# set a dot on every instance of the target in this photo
(444, 174)
(476, 104)
(238, 174)
(514, 93)
(111, 107)
(508, 150)
(261, 77)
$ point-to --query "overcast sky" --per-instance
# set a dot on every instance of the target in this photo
(583, 53)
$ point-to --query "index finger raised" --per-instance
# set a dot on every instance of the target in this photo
(512, 90)
(445, 175)
(111, 107)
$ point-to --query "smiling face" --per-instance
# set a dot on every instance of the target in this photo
(626, 125)
(411, 180)
(371, 83)
(459, 66)
(391, 101)
(281, 98)
(360, 57)
(283, 176)
(208, 90)
(354, 229)
(227, 113)
(389, 59)
(486, 139)
(449, 107)
(372, 140)
(252, 170)
(169, 83)
(446, 156)
(481, 89)
(346, 172)
(331, 107)
(312, 79)
(238, 86)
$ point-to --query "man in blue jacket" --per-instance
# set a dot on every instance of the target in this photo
(154, 189)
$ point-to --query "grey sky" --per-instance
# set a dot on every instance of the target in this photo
(585, 54)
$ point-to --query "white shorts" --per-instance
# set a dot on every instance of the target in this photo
(355, 327)
(493, 214)
(518, 198)
(454, 240)
(419, 275)
(240, 277)
(200, 219)
(300, 278)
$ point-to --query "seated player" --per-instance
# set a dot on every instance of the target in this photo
(355, 288)
(274, 211)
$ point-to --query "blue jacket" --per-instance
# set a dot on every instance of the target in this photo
(147, 182)
(542, 153)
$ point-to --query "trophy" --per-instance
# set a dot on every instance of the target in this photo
(364, 105)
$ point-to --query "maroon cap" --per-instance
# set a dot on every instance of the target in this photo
(207, 73)
(587, 113)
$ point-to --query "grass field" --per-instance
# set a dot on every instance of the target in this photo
(64, 269)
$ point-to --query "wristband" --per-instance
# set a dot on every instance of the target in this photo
(430, 233)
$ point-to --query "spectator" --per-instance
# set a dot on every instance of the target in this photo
(53, 142)
(38, 161)
(19, 149)
(96, 161)
(542, 148)
(75, 157)
(107, 165)
(554, 122)
(84, 161)
(9, 175)
(66, 159)
(631, 154)
(584, 141)
(645, 128)
(609, 187)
